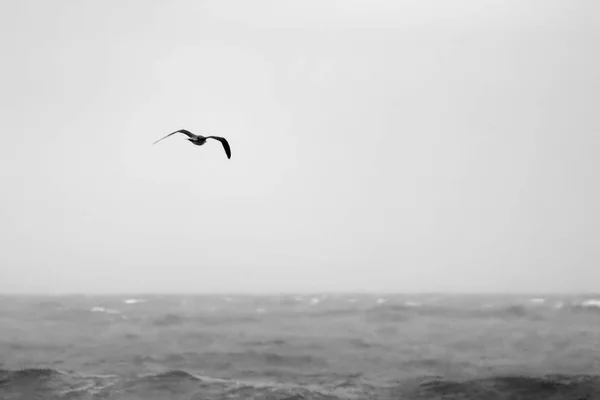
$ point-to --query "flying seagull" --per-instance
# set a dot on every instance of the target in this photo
(199, 140)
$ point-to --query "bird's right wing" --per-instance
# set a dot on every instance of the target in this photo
(188, 133)
(224, 143)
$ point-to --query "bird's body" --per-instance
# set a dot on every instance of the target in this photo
(199, 140)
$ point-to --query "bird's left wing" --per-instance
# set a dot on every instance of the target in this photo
(188, 133)
(224, 143)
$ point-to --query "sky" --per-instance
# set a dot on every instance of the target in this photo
(381, 146)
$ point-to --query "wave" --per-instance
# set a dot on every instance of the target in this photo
(262, 360)
(335, 312)
(400, 313)
(172, 319)
(270, 342)
(170, 312)
(55, 384)
(28, 375)
(169, 320)
(42, 383)
(580, 387)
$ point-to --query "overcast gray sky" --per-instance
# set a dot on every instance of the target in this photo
(376, 146)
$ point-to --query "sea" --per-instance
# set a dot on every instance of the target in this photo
(300, 346)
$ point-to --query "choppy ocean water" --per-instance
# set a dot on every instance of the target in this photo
(299, 347)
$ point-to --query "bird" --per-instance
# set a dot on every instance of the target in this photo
(199, 140)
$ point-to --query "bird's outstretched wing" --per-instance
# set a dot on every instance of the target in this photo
(186, 132)
(224, 143)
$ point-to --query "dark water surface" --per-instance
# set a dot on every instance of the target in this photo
(299, 347)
